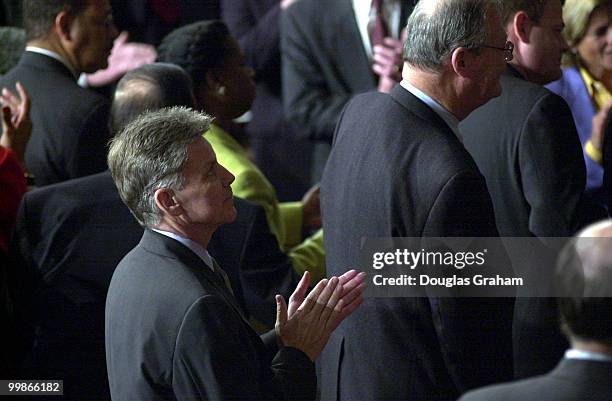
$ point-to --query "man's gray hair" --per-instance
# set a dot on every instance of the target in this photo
(437, 27)
(150, 153)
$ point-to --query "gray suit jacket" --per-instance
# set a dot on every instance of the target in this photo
(397, 170)
(174, 331)
(571, 380)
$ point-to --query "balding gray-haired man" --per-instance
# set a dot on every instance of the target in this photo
(398, 169)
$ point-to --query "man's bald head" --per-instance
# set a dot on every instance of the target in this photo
(584, 280)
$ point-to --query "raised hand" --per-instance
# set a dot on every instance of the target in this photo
(16, 123)
(125, 56)
(309, 321)
(388, 63)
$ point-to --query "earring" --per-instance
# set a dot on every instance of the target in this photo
(221, 90)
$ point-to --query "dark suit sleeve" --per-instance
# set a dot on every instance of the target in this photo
(552, 168)
(89, 153)
(309, 104)
(258, 36)
(475, 334)
(213, 360)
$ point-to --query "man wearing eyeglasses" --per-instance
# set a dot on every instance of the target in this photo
(397, 168)
(525, 144)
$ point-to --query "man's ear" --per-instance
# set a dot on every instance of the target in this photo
(63, 25)
(521, 26)
(167, 202)
(461, 61)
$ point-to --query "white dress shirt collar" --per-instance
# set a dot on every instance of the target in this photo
(53, 55)
(440, 110)
(194, 246)
(587, 355)
(392, 10)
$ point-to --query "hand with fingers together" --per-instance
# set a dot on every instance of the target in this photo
(125, 56)
(309, 321)
(16, 123)
(388, 63)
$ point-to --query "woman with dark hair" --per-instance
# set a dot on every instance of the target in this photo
(586, 84)
(224, 88)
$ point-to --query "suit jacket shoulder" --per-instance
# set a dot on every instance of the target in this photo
(415, 149)
(571, 380)
(191, 335)
(531, 157)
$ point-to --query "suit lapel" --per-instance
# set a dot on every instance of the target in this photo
(160, 244)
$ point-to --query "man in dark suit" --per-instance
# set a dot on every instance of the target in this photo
(328, 57)
(64, 39)
(256, 266)
(398, 169)
(73, 234)
(529, 152)
(583, 280)
(70, 236)
(173, 328)
(283, 158)
(526, 145)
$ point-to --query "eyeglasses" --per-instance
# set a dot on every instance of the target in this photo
(507, 49)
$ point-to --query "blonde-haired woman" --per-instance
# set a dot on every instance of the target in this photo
(586, 84)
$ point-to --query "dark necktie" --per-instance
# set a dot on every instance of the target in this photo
(167, 10)
(377, 27)
(221, 276)
(223, 281)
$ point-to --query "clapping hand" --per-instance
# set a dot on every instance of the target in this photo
(307, 322)
(16, 123)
